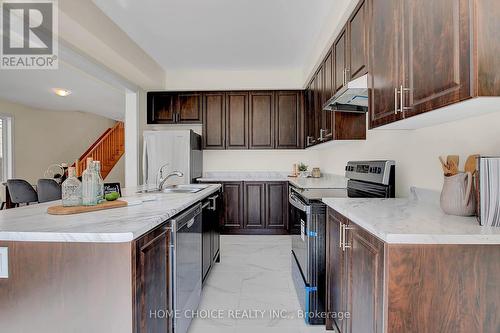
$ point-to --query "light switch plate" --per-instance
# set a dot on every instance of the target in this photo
(4, 263)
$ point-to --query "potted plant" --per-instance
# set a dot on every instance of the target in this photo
(303, 170)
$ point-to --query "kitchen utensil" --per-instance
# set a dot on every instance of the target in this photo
(457, 197)
(470, 164)
(446, 169)
(454, 158)
(453, 167)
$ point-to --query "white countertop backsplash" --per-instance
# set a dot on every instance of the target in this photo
(33, 223)
(414, 220)
(325, 181)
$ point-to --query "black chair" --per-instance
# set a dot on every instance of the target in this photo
(21, 192)
(48, 190)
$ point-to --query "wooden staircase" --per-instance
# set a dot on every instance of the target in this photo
(108, 149)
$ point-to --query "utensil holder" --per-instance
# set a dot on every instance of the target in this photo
(457, 196)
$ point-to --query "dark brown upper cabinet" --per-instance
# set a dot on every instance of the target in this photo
(161, 107)
(340, 61)
(436, 55)
(174, 107)
(357, 42)
(309, 114)
(384, 62)
(318, 105)
(189, 106)
(237, 120)
(326, 129)
(420, 57)
(288, 119)
(214, 116)
(261, 120)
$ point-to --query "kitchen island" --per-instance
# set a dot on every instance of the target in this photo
(104, 271)
(402, 265)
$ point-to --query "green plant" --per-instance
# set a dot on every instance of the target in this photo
(303, 167)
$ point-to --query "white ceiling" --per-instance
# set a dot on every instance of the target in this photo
(222, 34)
(89, 94)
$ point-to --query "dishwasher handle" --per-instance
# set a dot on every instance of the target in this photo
(187, 218)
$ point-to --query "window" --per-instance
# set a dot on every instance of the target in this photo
(5, 147)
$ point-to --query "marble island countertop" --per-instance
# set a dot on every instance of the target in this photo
(413, 220)
(145, 212)
(325, 181)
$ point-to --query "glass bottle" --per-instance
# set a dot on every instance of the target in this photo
(100, 182)
(89, 184)
(71, 190)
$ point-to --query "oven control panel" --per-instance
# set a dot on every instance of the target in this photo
(370, 171)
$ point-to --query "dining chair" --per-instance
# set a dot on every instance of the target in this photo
(48, 190)
(21, 192)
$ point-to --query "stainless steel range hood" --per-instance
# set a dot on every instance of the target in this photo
(352, 98)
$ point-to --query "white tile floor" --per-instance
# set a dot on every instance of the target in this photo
(254, 274)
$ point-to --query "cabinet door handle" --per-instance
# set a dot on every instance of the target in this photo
(403, 108)
(345, 245)
(396, 101)
(341, 232)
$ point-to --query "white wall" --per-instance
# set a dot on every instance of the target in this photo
(416, 151)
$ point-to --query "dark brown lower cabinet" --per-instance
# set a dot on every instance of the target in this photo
(254, 208)
(276, 205)
(152, 281)
(232, 206)
(255, 205)
(374, 287)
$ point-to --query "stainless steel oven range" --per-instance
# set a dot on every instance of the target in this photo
(366, 179)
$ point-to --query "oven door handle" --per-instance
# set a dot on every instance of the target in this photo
(297, 203)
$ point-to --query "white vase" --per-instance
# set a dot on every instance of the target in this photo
(457, 197)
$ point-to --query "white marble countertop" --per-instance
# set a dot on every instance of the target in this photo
(325, 181)
(33, 223)
(413, 221)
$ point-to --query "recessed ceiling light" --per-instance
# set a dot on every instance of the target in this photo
(61, 92)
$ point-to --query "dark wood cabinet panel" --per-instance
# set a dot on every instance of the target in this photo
(336, 286)
(365, 272)
(189, 106)
(436, 54)
(339, 63)
(486, 27)
(161, 107)
(357, 28)
(237, 120)
(349, 126)
(261, 120)
(318, 105)
(328, 78)
(310, 136)
(214, 131)
(288, 114)
(254, 208)
(152, 280)
(277, 205)
(384, 61)
(255, 205)
(233, 205)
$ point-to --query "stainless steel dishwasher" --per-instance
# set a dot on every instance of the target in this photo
(187, 266)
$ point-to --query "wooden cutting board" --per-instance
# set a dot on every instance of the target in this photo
(61, 210)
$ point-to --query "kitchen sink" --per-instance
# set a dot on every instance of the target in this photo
(191, 188)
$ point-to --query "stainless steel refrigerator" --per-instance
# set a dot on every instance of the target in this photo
(180, 149)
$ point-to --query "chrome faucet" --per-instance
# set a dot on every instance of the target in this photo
(162, 179)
